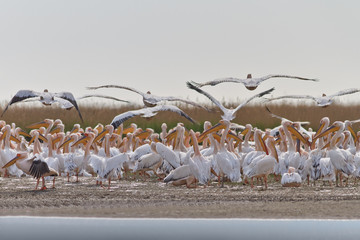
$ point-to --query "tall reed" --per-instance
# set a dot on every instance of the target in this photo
(256, 114)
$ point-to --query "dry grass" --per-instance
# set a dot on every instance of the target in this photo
(25, 114)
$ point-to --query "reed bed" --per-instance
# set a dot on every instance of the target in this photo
(256, 114)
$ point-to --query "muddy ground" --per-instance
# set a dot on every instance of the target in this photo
(155, 199)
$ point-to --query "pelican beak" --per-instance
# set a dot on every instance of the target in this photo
(217, 137)
(143, 135)
(321, 127)
(81, 140)
(12, 138)
(246, 130)
(31, 140)
(215, 128)
(298, 135)
(263, 145)
(235, 137)
(55, 130)
(22, 132)
(99, 128)
(101, 135)
(171, 135)
(327, 131)
(272, 144)
(12, 161)
(66, 142)
(74, 130)
(42, 137)
(54, 141)
(353, 134)
(128, 130)
(38, 125)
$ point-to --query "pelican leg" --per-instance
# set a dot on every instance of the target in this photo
(43, 184)
(190, 181)
(252, 182)
(37, 183)
(223, 180)
(341, 184)
(53, 186)
(265, 181)
(308, 180)
(109, 183)
(68, 177)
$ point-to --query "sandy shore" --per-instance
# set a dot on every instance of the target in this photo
(151, 198)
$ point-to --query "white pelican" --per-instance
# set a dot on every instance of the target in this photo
(34, 167)
(342, 163)
(275, 131)
(47, 98)
(250, 82)
(149, 99)
(262, 166)
(226, 161)
(322, 101)
(229, 114)
(147, 113)
(149, 162)
(291, 178)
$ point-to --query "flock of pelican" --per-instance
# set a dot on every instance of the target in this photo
(220, 153)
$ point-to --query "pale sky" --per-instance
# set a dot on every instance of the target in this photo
(158, 45)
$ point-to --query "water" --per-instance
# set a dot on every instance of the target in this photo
(54, 228)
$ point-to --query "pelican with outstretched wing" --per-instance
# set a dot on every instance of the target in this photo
(149, 99)
(250, 82)
(147, 113)
(47, 98)
(322, 101)
(229, 114)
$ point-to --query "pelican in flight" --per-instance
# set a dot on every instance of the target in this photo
(250, 82)
(229, 114)
(147, 113)
(66, 99)
(149, 99)
(322, 101)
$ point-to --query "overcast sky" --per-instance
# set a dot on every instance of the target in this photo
(158, 45)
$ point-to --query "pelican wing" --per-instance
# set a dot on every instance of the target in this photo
(103, 96)
(119, 119)
(117, 86)
(20, 96)
(181, 100)
(216, 102)
(115, 162)
(293, 97)
(285, 76)
(38, 168)
(140, 151)
(68, 96)
(345, 92)
(253, 97)
(218, 81)
(168, 155)
(172, 109)
(178, 173)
